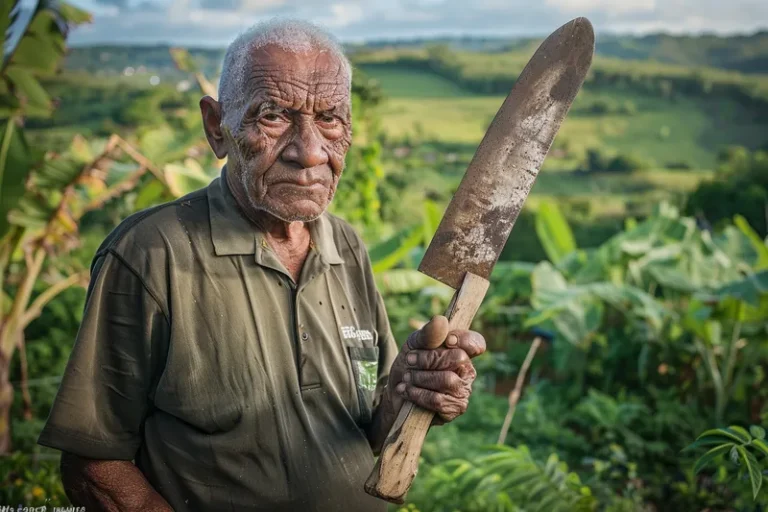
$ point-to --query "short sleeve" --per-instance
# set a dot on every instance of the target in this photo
(106, 390)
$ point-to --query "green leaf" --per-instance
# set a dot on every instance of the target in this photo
(554, 232)
(705, 441)
(753, 468)
(74, 15)
(403, 281)
(81, 150)
(741, 432)
(150, 194)
(433, 214)
(39, 54)
(183, 60)
(755, 240)
(28, 86)
(390, 252)
(761, 446)
(757, 432)
(155, 143)
(16, 161)
(748, 289)
(714, 332)
(734, 455)
(671, 278)
(723, 433)
(185, 178)
(5, 21)
(711, 455)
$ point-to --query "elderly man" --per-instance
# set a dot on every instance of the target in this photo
(235, 353)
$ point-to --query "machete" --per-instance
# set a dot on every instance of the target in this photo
(483, 211)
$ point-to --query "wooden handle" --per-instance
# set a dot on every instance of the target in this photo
(399, 460)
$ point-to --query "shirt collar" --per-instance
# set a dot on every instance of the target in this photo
(232, 233)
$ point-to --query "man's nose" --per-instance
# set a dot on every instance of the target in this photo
(306, 149)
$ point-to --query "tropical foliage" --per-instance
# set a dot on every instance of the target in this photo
(743, 447)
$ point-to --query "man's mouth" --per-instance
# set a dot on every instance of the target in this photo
(307, 185)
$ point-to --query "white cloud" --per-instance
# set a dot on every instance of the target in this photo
(214, 22)
(608, 7)
(341, 15)
(260, 5)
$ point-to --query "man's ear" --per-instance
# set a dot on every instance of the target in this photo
(211, 111)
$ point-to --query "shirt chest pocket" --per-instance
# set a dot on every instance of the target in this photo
(365, 371)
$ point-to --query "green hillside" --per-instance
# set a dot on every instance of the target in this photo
(401, 82)
(746, 53)
(669, 130)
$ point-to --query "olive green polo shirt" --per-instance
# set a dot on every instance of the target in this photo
(232, 387)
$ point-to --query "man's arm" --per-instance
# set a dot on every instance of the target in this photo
(383, 419)
(103, 399)
(108, 485)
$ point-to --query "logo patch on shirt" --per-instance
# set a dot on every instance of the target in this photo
(352, 333)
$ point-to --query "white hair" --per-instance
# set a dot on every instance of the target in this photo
(291, 35)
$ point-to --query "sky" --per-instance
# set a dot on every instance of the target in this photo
(215, 23)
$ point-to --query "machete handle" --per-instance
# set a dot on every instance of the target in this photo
(399, 460)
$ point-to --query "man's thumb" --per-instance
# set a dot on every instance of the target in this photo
(433, 334)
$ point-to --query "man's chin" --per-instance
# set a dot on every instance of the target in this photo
(297, 211)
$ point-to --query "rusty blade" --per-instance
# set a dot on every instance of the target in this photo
(483, 211)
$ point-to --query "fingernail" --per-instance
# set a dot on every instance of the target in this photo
(412, 358)
(400, 388)
(407, 377)
(452, 340)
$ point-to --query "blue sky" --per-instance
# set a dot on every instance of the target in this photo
(216, 22)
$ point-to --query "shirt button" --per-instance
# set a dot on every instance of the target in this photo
(304, 336)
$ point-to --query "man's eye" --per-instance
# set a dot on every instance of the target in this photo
(327, 118)
(271, 117)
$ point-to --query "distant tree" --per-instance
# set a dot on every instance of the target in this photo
(596, 160)
(740, 187)
(627, 163)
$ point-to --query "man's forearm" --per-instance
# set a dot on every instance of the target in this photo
(109, 485)
(383, 419)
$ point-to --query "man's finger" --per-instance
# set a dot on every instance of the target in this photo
(447, 382)
(431, 335)
(446, 406)
(471, 342)
(436, 359)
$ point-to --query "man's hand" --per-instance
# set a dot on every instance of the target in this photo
(434, 370)
(109, 485)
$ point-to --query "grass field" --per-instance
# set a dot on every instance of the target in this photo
(400, 82)
(662, 130)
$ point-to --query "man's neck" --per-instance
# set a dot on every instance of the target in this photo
(289, 240)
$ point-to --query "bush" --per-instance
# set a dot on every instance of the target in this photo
(679, 165)
(740, 188)
(27, 481)
(598, 160)
(627, 163)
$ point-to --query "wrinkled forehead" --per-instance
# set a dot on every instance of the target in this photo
(313, 79)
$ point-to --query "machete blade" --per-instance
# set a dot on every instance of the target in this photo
(483, 211)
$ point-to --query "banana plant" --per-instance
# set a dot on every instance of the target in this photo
(33, 37)
(44, 223)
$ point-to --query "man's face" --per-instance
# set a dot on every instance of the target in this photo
(291, 133)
